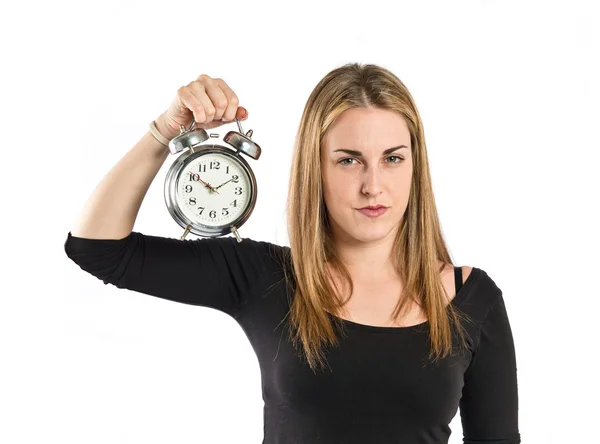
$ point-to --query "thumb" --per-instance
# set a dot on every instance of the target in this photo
(241, 113)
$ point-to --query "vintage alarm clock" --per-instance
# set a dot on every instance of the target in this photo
(210, 190)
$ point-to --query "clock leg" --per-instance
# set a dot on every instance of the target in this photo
(237, 235)
(185, 233)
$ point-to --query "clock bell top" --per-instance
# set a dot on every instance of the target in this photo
(192, 137)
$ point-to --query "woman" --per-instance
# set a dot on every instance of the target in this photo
(364, 329)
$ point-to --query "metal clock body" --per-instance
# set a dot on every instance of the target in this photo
(210, 189)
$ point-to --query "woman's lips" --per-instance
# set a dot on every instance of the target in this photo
(373, 213)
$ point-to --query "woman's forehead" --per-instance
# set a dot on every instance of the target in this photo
(367, 129)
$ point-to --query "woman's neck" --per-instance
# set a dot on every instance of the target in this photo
(368, 261)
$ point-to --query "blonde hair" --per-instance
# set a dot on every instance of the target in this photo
(418, 245)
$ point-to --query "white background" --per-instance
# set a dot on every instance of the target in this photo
(508, 92)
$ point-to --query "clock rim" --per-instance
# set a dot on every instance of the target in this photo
(172, 179)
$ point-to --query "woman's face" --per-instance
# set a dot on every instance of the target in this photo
(360, 168)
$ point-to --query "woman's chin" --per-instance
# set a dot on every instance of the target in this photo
(361, 231)
(368, 234)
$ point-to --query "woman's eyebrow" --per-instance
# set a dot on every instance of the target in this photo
(358, 153)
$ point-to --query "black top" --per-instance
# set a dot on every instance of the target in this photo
(378, 386)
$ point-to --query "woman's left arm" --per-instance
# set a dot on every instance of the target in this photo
(489, 403)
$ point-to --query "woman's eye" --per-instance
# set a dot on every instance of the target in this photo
(399, 159)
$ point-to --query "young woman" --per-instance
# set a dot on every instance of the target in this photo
(364, 329)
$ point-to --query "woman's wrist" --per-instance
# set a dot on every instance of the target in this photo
(163, 128)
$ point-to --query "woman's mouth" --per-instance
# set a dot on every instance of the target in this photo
(370, 212)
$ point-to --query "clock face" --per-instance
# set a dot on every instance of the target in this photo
(213, 189)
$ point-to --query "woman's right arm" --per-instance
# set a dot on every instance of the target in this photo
(214, 272)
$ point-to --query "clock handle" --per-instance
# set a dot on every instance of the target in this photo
(236, 119)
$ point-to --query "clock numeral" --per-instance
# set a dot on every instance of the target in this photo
(192, 201)
(201, 210)
(236, 179)
(234, 203)
(227, 170)
(225, 212)
(238, 190)
(188, 188)
(202, 168)
(194, 177)
(213, 214)
(215, 165)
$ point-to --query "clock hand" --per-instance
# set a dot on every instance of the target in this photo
(216, 188)
(206, 184)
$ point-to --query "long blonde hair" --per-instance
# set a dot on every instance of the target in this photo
(418, 245)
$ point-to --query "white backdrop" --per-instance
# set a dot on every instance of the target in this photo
(508, 92)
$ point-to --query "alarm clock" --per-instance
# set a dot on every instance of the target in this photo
(210, 189)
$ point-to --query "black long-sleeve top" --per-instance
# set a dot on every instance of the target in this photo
(379, 386)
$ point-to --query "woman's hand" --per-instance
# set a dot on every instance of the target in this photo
(209, 101)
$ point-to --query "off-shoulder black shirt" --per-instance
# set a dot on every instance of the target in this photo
(379, 386)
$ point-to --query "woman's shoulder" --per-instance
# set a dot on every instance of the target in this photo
(479, 291)
(269, 254)
(448, 274)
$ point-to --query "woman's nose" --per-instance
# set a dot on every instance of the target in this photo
(371, 181)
